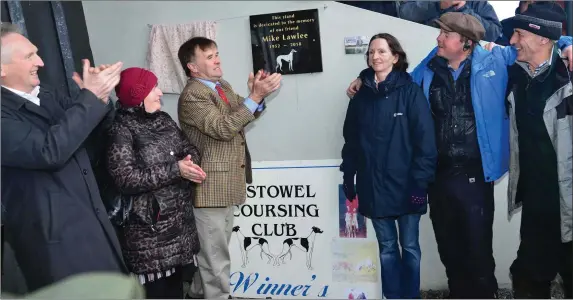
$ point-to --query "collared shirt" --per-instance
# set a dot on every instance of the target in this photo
(32, 96)
(456, 73)
(541, 66)
(539, 69)
(250, 103)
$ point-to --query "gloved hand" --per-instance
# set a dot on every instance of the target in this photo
(418, 196)
(348, 186)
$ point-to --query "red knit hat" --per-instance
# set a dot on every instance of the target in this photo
(134, 85)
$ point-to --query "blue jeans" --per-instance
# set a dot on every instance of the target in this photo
(400, 273)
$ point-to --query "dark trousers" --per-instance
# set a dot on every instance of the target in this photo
(166, 288)
(532, 286)
(461, 210)
(540, 258)
(2, 249)
(541, 254)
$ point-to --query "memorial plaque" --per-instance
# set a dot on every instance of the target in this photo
(286, 42)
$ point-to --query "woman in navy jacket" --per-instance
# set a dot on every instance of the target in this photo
(390, 148)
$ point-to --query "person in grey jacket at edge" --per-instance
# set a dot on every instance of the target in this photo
(540, 107)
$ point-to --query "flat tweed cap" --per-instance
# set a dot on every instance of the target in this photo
(464, 24)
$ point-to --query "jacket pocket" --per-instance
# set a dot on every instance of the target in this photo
(215, 166)
(218, 188)
(396, 183)
(52, 217)
(563, 124)
(563, 141)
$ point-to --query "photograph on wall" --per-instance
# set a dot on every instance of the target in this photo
(286, 42)
(356, 293)
(354, 260)
(351, 224)
(355, 44)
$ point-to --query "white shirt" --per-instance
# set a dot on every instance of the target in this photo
(32, 96)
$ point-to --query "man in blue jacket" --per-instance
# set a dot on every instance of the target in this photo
(465, 85)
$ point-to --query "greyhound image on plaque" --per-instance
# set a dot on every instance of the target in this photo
(286, 42)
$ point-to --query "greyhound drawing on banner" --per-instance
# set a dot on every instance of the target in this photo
(286, 57)
(246, 244)
(305, 244)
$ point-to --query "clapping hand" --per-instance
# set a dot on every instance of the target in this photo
(99, 80)
(191, 171)
(262, 84)
(262, 74)
(92, 70)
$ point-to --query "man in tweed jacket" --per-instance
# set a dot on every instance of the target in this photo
(213, 117)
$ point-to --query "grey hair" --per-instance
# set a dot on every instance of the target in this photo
(6, 29)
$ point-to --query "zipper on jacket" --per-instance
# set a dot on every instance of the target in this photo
(154, 217)
(529, 79)
(451, 104)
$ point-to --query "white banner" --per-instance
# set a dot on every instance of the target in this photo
(298, 236)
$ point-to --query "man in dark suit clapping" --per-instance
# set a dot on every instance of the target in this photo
(54, 217)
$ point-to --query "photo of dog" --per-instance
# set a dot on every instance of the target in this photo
(351, 223)
(305, 244)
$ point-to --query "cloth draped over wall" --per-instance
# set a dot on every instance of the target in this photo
(164, 43)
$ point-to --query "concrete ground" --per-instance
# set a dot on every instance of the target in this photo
(556, 293)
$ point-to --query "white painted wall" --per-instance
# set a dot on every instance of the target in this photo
(504, 9)
(304, 120)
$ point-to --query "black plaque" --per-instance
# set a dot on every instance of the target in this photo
(286, 42)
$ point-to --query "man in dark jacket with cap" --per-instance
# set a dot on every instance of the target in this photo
(54, 218)
(540, 105)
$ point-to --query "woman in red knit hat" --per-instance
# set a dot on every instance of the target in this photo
(153, 163)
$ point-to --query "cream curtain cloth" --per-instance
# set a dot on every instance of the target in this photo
(164, 42)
